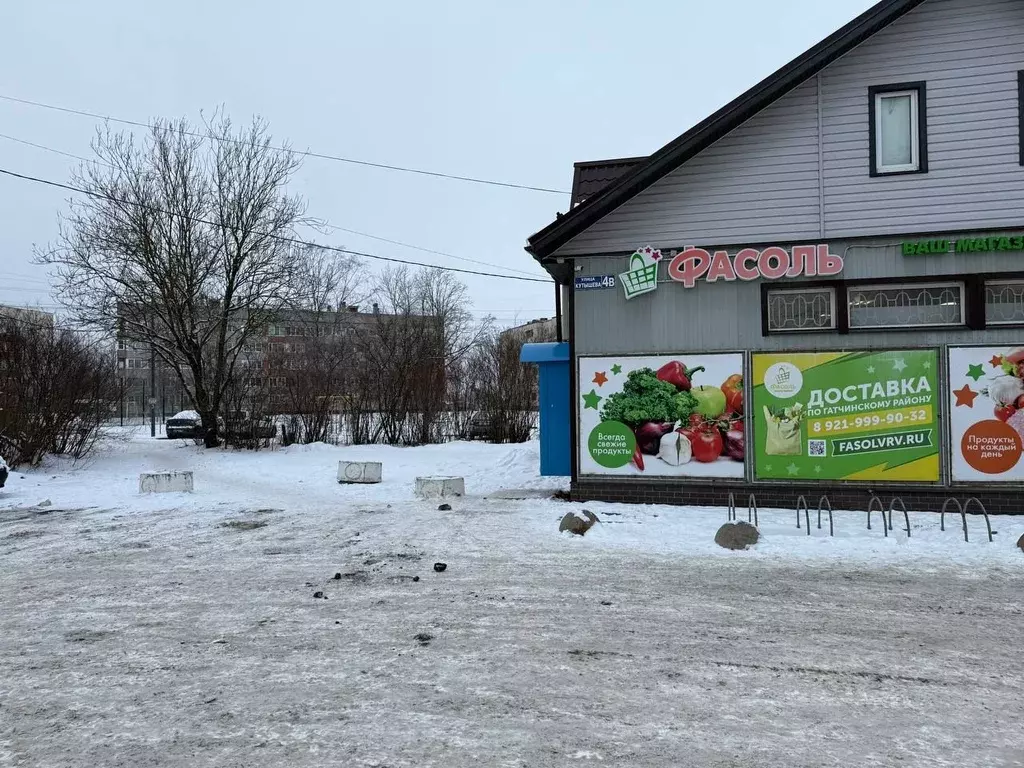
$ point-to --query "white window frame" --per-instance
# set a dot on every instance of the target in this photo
(915, 132)
(854, 289)
(833, 305)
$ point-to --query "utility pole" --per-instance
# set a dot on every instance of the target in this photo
(152, 391)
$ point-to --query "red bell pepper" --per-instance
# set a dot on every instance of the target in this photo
(733, 390)
(638, 458)
(678, 375)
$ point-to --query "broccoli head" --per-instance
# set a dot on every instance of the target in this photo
(686, 404)
(644, 398)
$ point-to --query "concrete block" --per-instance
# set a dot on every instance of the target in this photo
(165, 482)
(440, 487)
(360, 471)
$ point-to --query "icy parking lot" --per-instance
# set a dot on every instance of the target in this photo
(181, 630)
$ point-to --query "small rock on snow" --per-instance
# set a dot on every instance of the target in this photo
(424, 638)
(1020, 543)
(445, 508)
(739, 535)
(337, 577)
(415, 578)
(45, 503)
(439, 567)
(606, 602)
(319, 596)
(578, 523)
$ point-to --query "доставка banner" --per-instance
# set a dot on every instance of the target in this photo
(869, 416)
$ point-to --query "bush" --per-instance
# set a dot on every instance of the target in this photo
(57, 390)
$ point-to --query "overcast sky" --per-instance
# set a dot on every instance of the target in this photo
(511, 91)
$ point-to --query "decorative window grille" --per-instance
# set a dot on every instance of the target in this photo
(1004, 302)
(894, 306)
(809, 309)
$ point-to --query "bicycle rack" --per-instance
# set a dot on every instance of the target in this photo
(732, 507)
(960, 509)
(984, 511)
(881, 508)
(752, 508)
(827, 504)
(903, 508)
(801, 503)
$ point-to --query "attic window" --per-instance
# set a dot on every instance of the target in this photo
(898, 131)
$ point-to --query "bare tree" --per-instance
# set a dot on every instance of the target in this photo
(507, 388)
(422, 329)
(311, 369)
(183, 243)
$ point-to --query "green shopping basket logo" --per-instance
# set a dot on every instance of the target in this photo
(642, 276)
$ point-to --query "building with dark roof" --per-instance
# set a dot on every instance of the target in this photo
(818, 289)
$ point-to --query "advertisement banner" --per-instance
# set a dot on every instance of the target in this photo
(665, 416)
(986, 413)
(870, 416)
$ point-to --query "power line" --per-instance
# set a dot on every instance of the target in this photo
(424, 250)
(307, 153)
(51, 149)
(279, 238)
(324, 223)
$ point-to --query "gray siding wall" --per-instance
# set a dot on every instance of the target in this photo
(727, 316)
(968, 52)
(800, 168)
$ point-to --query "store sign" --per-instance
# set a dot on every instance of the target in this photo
(869, 416)
(659, 417)
(773, 263)
(986, 413)
(965, 245)
(594, 282)
(642, 276)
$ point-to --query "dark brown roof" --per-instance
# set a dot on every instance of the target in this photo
(707, 132)
(593, 176)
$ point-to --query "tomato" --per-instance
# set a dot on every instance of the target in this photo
(1004, 412)
(707, 444)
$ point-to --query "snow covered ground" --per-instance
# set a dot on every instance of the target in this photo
(181, 629)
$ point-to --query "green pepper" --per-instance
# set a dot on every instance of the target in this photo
(710, 401)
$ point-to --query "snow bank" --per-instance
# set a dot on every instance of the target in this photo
(303, 479)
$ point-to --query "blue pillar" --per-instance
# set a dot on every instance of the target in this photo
(555, 440)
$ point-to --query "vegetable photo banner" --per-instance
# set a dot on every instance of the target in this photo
(869, 416)
(986, 413)
(665, 416)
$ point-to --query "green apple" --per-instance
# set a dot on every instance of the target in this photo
(711, 401)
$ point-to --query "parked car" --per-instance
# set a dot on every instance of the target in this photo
(4, 472)
(480, 427)
(185, 425)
